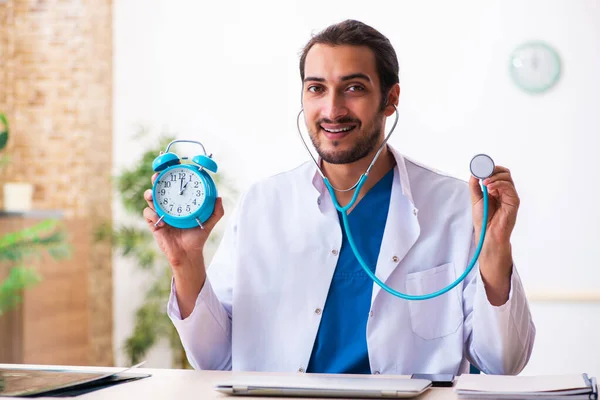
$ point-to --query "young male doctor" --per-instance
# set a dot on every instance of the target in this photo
(285, 292)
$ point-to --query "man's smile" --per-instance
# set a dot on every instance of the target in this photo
(337, 131)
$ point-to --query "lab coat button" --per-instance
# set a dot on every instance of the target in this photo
(319, 201)
(414, 211)
(334, 252)
(371, 314)
(377, 372)
(395, 259)
(318, 311)
(300, 369)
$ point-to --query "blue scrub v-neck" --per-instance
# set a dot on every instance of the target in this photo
(341, 343)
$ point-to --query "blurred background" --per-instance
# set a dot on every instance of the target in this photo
(92, 90)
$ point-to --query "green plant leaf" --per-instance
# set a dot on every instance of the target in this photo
(3, 131)
(29, 242)
(19, 278)
(151, 320)
(3, 139)
(132, 182)
(4, 160)
(130, 242)
(4, 121)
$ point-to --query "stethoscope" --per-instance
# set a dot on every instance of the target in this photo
(482, 166)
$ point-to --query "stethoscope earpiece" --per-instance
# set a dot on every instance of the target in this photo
(482, 166)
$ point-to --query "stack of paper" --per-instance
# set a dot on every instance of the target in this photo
(526, 387)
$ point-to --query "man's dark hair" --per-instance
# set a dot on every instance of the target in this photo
(356, 33)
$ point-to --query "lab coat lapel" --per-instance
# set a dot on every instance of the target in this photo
(402, 228)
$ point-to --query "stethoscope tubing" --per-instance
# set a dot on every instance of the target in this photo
(358, 185)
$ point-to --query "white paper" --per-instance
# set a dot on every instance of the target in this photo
(520, 384)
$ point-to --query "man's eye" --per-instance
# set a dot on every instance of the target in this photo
(314, 89)
(355, 88)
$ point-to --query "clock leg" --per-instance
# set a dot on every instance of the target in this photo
(199, 223)
(158, 222)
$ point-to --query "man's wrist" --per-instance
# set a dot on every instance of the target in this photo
(496, 271)
(189, 281)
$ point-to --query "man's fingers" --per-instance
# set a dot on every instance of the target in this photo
(499, 168)
(505, 192)
(500, 174)
(148, 198)
(216, 215)
(475, 189)
(151, 217)
(148, 193)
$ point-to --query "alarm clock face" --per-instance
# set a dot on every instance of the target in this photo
(180, 192)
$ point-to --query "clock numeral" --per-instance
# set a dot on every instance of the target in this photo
(191, 176)
(165, 201)
(162, 192)
(182, 176)
(173, 178)
(198, 193)
(179, 210)
(196, 184)
(167, 184)
(171, 208)
(194, 202)
(188, 208)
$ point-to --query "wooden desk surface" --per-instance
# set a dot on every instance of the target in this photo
(185, 384)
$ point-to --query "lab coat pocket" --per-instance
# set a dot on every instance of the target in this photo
(440, 316)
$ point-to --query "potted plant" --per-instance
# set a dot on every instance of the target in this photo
(134, 241)
(17, 249)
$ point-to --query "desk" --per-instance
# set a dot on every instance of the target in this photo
(175, 384)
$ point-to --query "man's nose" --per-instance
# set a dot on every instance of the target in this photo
(335, 107)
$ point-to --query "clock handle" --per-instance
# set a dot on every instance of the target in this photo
(185, 141)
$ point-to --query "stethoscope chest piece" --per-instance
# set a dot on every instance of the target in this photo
(482, 166)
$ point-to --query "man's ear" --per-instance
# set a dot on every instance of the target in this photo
(392, 98)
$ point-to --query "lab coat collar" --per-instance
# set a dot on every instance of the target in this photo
(319, 185)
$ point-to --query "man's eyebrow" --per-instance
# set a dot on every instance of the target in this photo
(313, 79)
(357, 75)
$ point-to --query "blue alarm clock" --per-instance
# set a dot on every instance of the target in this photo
(184, 195)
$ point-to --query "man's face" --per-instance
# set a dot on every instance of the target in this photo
(342, 102)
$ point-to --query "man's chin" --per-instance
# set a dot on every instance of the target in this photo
(338, 156)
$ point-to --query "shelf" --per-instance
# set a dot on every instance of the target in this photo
(32, 214)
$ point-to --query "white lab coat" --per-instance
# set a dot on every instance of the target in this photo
(260, 307)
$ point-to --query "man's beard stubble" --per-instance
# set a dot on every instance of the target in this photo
(362, 147)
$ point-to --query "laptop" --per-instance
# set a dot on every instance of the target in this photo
(320, 385)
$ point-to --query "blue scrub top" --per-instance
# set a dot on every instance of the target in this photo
(341, 342)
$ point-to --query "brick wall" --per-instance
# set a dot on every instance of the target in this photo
(56, 88)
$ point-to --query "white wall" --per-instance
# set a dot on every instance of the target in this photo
(226, 73)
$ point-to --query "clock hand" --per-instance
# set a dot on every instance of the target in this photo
(181, 186)
(182, 189)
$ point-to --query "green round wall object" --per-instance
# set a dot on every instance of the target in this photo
(535, 67)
